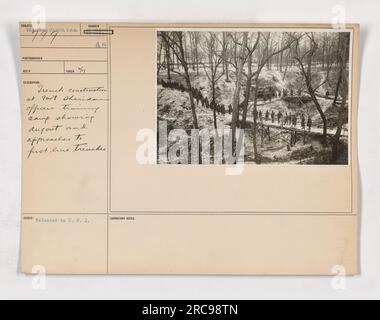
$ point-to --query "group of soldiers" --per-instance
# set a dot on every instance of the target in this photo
(199, 98)
(273, 93)
(291, 92)
(219, 108)
(287, 119)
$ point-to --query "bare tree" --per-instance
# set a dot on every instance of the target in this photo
(267, 53)
(167, 58)
(236, 97)
(309, 62)
(340, 73)
(343, 86)
(250, 50)
(234, 61)
(195, 40)
(175, 40)
(159, 58)
(263, 58)
(225, 55)
(212, 70)
(264, 55)
(305, 61)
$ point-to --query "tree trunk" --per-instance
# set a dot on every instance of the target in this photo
(235, 113)
(227, 73)
(342, 108)
(324, 52)
(335, 146)
(308, 79)
(337, 89)
(192, 104)
(177, 44)
(167, 49)
(257, 159)
(225, 63)
(192, 51)
(320, 111)
(214, 104)
(159, 59)
(247, 92)
(341, 66)
(196, 55)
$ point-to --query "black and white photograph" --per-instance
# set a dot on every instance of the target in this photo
(288, 91)
(189, 157)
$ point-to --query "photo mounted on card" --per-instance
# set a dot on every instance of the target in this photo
(189, 148)
(282, 90)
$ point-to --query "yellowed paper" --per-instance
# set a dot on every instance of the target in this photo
(102, 195)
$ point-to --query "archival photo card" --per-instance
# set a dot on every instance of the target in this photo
(189, 148)
(284, 93)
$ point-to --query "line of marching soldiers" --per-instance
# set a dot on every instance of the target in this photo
(199, 98)
(287, 119)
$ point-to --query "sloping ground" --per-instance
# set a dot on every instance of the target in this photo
(277, 150)
(332, 113)
(272, 78)
(174, 107)
(224, 93)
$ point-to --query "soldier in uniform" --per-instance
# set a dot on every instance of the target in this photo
(197, 96)
(230, 109)
(309, 123)
(267, 115)
(303, 121)
(295, 121)
(201, 98)
(223, 109)
(241, 106)
(279, 117)
(255, 113)
(261, 116)
(207, 103)
(272, 116)
(199, 93)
